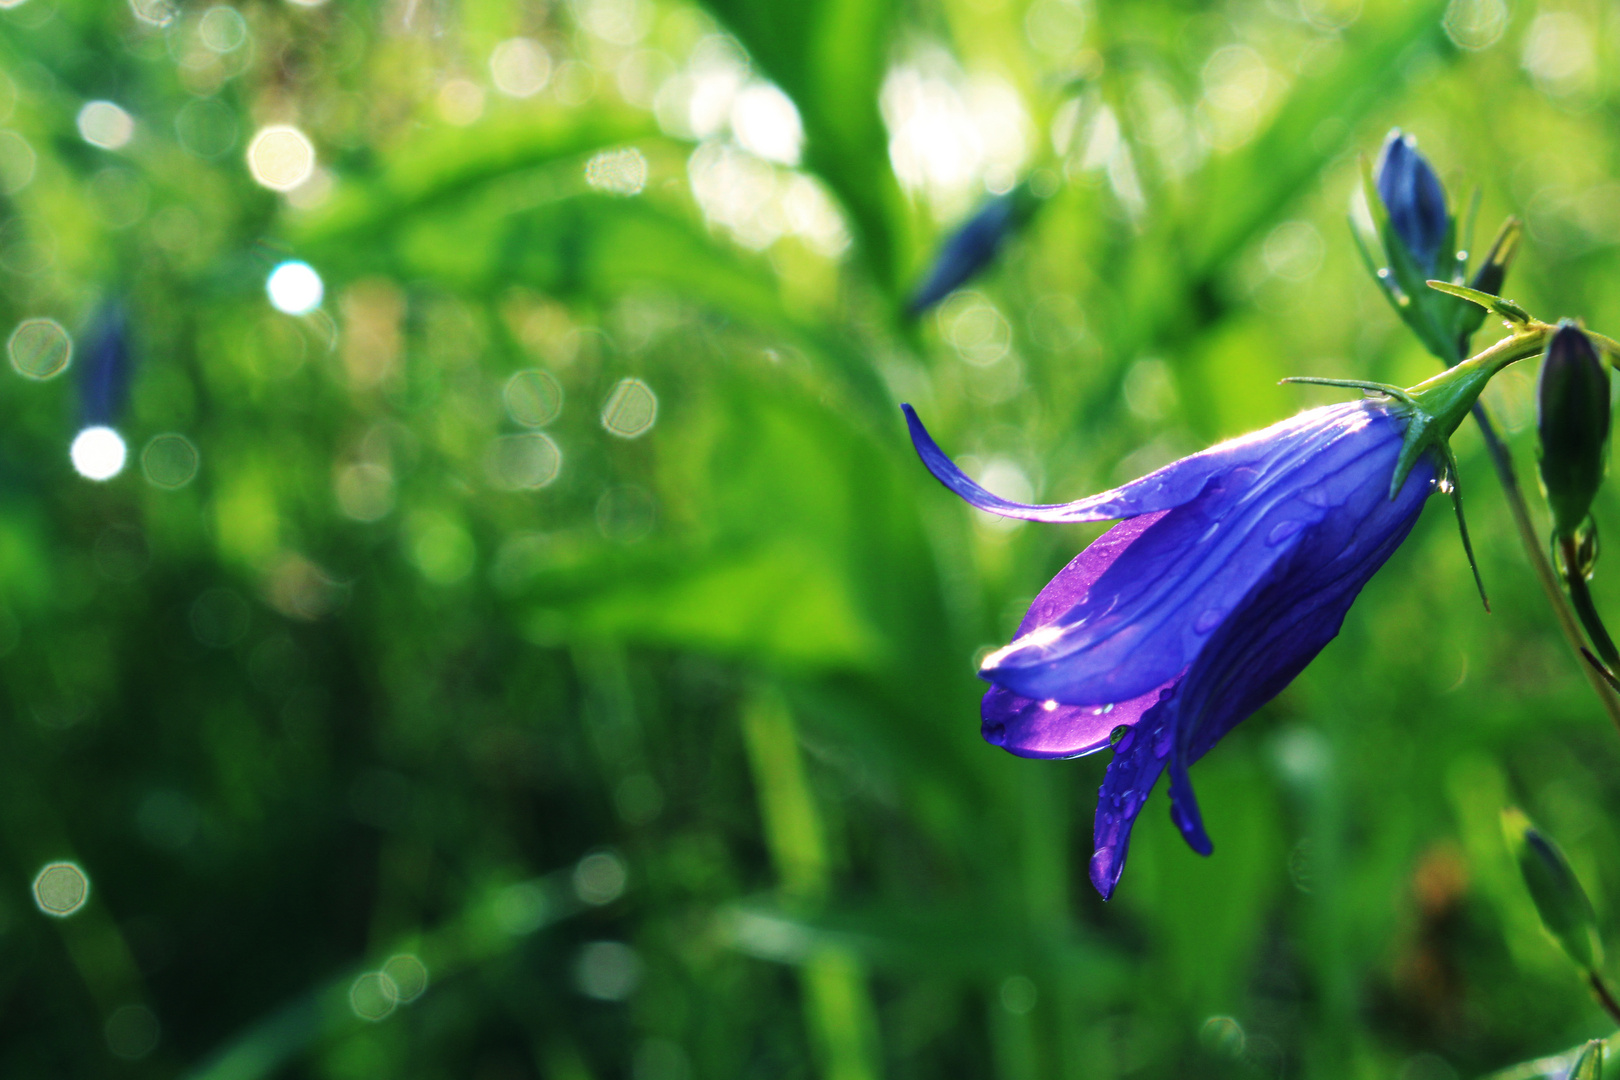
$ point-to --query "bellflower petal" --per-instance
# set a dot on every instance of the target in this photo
(1231, 570)
(1047, 729)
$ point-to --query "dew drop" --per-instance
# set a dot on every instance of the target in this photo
(1282, 531)
(1117, 734)
(1209, 620)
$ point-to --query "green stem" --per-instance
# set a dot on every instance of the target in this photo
(1502, 460)
(1581, 597)
(1605, 998)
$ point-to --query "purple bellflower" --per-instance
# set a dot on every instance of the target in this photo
(1228, 572)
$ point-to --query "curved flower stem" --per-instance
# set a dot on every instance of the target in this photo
(1581, 597)
(1605, 998)
(1502, 460)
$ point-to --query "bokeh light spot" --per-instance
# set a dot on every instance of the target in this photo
(521, 67)
(1475, 24)
(61, 888)
(533, 398)
(441, 548)
(1224, 1036)
(365, 491)
(600, 878)
(222, 29)
(98, 453)
(153, 12)
(408, 975)
(522, 908)
(106, 125)
(631, 409)
(767, 124)
(294, 288)
(281, 157)
(132, 1032)
(39, 348)
(607, 970)
(461, 102)
(523, 462)
(619, 172)
(373, 996)
(1018, 994)
(170, 461)
(17, 162)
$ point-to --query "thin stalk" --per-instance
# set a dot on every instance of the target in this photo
(1503, 463)
(1606, 999)
(1581, 597)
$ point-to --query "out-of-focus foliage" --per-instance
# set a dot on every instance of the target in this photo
(544, 656)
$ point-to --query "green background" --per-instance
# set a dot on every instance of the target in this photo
(670, 768)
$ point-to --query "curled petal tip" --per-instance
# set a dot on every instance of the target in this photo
(1105, 868)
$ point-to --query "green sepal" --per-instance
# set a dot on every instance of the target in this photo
(1507, 309)
(1431, 319)
(1565, 909)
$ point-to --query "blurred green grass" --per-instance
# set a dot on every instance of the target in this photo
(359, 691)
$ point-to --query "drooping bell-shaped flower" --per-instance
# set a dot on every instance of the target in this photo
(1572, 423)
(1229, 571)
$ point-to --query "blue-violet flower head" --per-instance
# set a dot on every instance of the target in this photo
(1228, 572)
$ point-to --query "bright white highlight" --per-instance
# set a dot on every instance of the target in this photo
(766, 123)
(281, 157)
(295, 288)
(104, 124)
(98, 453)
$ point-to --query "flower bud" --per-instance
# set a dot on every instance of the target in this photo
(1572, 423)
(1562, 903)
(1416, 202)
(1492, 271)
(1589, 1062)
(972, 247)
(108, 364)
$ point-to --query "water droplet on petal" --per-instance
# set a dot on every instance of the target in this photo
(1282, 531)
(1117, 734)
(1209, 620)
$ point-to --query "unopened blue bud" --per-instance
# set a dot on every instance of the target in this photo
(1572, 423)
(1416, 201)
(971, 248)
(1563, 905)
(104, 376)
